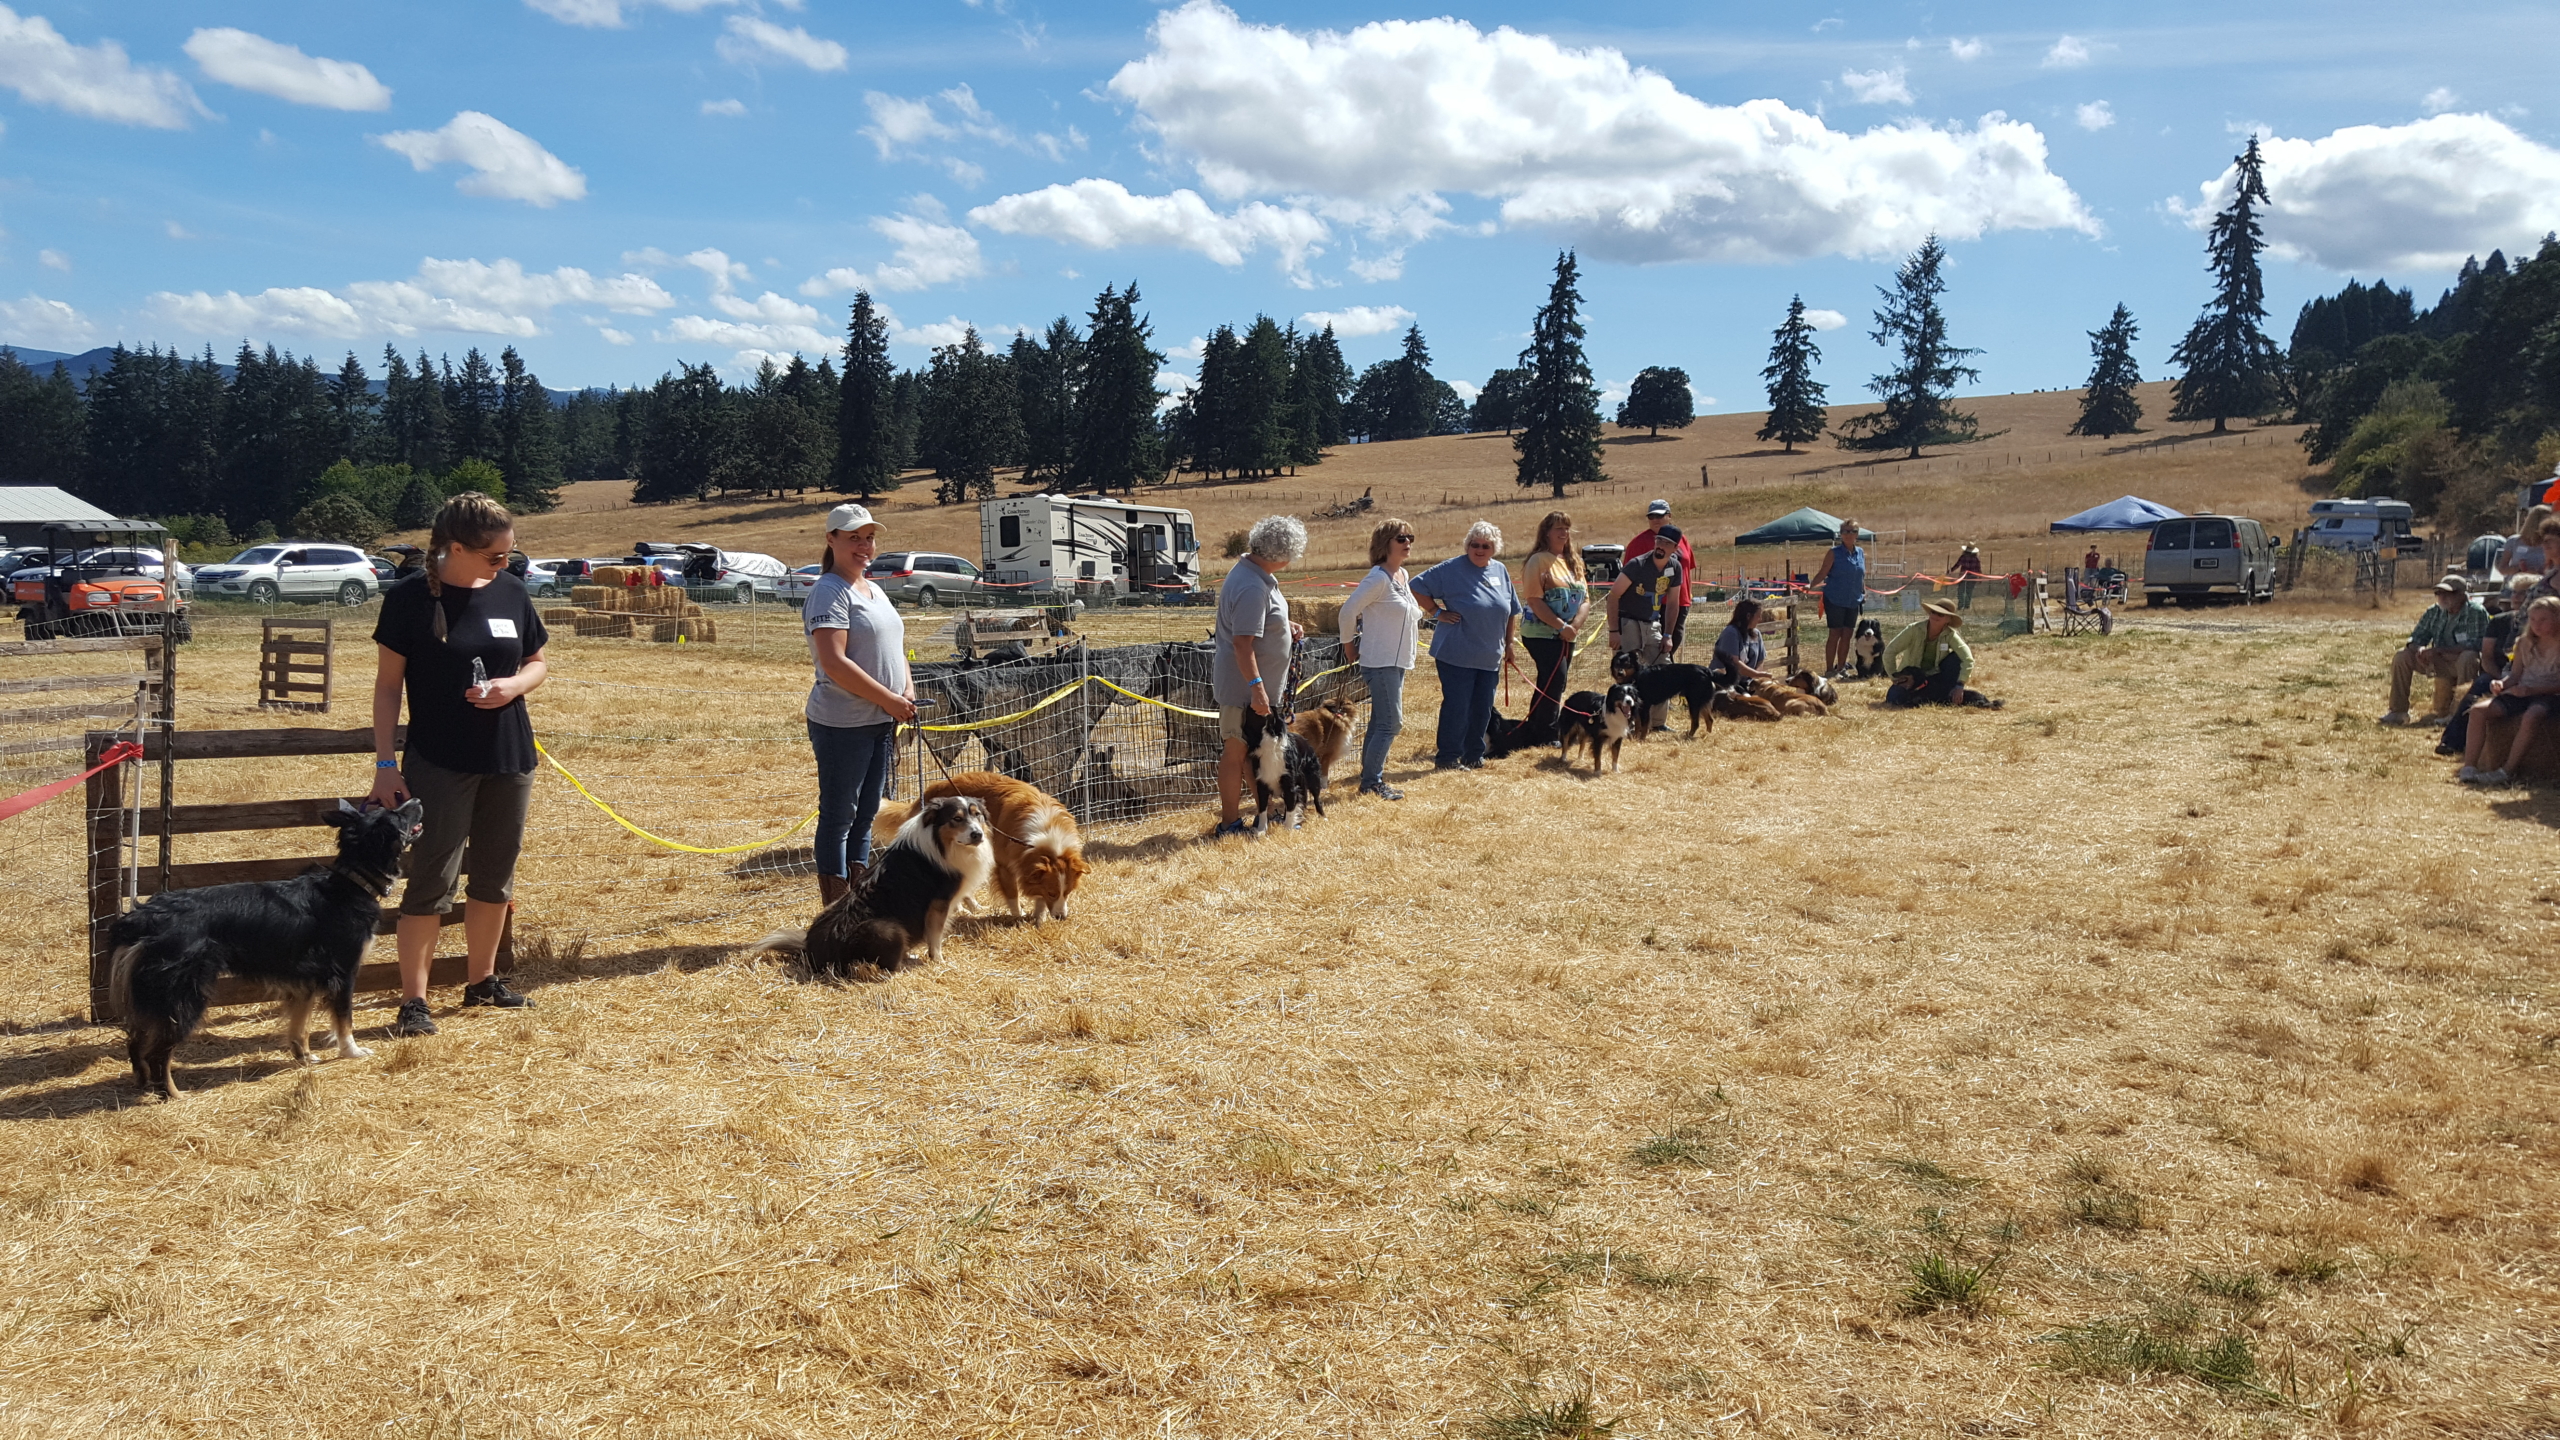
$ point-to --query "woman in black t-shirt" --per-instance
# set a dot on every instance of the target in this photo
(461, 637)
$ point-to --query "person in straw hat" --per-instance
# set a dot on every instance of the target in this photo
(1968, 570)
(1930, 662)
(858, 645)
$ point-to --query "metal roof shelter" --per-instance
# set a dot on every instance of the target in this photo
(25, 510)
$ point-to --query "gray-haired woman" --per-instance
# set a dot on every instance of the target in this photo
(1251, 644)
(1477, 628)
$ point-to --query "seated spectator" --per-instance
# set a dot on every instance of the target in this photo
(2446, 645)
(1741, 655)
(2497, 642)
(2524, 548)
(1930, 662)
(2530, 689)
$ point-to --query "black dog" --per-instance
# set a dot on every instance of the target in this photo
(1659, 685)
(1599, 721)
(1510, 737)
(1286, 775)
(1866, 645)
(301, 939)
(941, 855)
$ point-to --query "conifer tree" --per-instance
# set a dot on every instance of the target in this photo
(528, 437)
(1497, 404)
(1118, 446)
(1658, 396)
(1319, 380)
(353, 405)
(1915, 393)
(433, 428)
(471, 397)
(2231, 367)
(689, 422)
(2108, 406)
(43, 430)
(1797, 413)
(972, 419)
(1045, 372)
(867, 458)
(1559, 439)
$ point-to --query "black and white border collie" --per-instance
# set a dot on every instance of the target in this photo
(1599, 721)
(1286, 775)
(905, 899)
(1657, 686)
(1866, 647)
(299, 939)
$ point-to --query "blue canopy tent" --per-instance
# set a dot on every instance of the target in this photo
(2131, 512)
(1807, 526)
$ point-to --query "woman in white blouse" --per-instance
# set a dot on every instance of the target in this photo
(1380, 623)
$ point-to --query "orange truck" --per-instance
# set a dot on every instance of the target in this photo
(94, 580)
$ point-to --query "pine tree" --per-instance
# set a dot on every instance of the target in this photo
(1658, 396)
(867, 461)
(783, 444)
(1118, 445)
(432, 428)
(528, 437)
(1319, 381)
(1915, 393)
(416, 507)
(2108, 406)
(471, 405)
(353, 405)
(43, 430)
(688, 436)
(1559, 439)
(972, 419)
(1797, 414)
(2231, 367)
(1046, 371)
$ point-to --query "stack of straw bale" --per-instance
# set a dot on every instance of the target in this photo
(1320, 616)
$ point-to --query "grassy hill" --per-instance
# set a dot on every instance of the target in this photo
(2000, 493)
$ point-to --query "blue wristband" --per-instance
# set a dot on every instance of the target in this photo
(386, 764)
(1256, 680)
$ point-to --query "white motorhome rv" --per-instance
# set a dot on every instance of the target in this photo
(1091, 543)
(2379, 524)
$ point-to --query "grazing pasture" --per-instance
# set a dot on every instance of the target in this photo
(2169, 1053)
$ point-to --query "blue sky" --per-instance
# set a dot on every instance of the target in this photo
(611, 185)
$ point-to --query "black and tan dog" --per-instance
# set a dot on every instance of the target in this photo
(1509, 737)
(1286, 777)
(905, 899)
(299, 939)
(1600, 721)
(1657, 686)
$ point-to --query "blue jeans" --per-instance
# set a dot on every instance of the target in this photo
(1466, 704)
(853, 772)
(1386, 720)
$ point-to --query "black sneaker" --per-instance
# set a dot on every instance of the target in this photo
(493, 991)
(1383, 791)
(413, 1019)
(1470, 764)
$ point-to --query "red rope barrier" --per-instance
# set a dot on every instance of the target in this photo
(115, 755)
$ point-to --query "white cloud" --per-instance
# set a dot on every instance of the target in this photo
(611, 336)
(1467, 390)
(1389, 266)
(2096, 115)
(931, 251)
(608, 14)
(506, 164)
(254, 62)
(1825, 319)
(468, 297)
(177, 231)
(933, 334)
(901, 128)
(724, 107)
(749, 40)
(45, 324)
(54, 260)
(1103, 214)
(2439, 100)
(1878, 87)
(1967, 50)
(97, 82)
(1193, 350)
(768, 323)
(2068, 53)
(1577, 141)
(2420, 196)
(1359, 319)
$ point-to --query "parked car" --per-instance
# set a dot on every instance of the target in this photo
(793, 588)
(538, 576)
(301, 572)
(143, 560)
(713, 573)
(2206, 558)
(923, 577)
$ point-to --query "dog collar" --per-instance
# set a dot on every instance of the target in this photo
(372, 882)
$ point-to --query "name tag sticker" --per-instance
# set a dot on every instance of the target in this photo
(502, 629)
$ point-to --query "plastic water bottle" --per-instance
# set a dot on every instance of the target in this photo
(479, 677)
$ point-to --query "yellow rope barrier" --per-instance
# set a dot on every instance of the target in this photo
(581, 788)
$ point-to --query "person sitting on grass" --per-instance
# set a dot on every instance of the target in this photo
(1741, 655)
(2446, 645)
(1249, 650)
(2497, 645)
(1930, 662)
(2529, 690)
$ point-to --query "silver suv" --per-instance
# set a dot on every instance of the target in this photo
(923, 577)
(304, 572)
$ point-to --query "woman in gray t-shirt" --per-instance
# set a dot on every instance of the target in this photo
(862, 694)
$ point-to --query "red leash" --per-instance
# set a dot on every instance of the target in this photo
(115, 755)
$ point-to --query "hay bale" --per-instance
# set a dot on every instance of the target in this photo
(604, 626)
(588, 594)
(1320, 616)
(703, 631)
(556, 616)
(691, 610)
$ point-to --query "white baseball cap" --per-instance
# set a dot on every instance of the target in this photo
(850, 517)
(1658, 507)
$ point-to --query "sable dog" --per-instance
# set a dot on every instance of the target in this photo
(1599, 721)
(1737, 705)
(904, 899)
(1039, 854)
(1325, 729)
(1657, 687)
(1866, 644)
(1815, 686)
(1789, 699)
(301, 939)
(1286, 777)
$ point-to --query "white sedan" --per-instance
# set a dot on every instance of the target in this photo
(793, 588)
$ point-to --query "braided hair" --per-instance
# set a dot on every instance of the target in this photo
(469, 518)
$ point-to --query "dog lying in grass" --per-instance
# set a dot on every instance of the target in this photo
(1509, 737)
(1741, 705)
(1788, 699)
(299, 939)
(904, 899)
(1815, 686)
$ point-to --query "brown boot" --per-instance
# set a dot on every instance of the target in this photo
(832, 888)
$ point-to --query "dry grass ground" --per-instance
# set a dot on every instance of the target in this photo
(2169, 1053)
(2000, 493)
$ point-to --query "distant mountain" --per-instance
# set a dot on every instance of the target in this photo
(89, 362)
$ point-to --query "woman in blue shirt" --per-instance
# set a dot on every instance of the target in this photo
(1843, 583)
(1476, 628)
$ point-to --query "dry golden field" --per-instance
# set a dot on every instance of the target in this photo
(2171, 1053)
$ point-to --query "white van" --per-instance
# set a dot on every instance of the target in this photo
(2379, 524)
(2208, 557)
